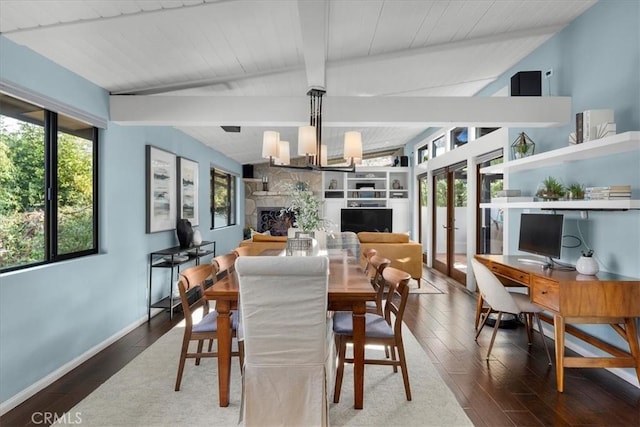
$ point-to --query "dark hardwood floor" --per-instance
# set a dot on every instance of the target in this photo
(515, 388)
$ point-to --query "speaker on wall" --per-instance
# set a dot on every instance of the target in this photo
(404, 160)
(526, 83)
(247, 171)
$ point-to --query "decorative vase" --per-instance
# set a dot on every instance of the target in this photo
(587, 265)
(197, 238)
(184, 232)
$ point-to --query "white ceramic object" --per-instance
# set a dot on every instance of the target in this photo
(587, 265)
(197, 238)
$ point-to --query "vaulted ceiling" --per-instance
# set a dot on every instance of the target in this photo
(269, 48)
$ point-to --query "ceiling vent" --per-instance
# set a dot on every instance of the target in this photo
(231, 129)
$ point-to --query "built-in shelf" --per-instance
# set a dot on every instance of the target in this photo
(568, 205)
(620, 143)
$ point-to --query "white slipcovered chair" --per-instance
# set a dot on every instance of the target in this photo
(283, 311)
(502, 301)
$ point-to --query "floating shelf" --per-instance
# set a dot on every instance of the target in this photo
(626, 204)
(620, 143)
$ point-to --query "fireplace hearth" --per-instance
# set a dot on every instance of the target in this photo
(269, 219)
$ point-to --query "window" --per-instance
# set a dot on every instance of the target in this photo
(48, 186)
(423, 153)
(438, 147)
(459, 137)
(223, 199)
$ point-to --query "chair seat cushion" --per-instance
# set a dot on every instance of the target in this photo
(375, 326)
(209, 323)
(524, 303)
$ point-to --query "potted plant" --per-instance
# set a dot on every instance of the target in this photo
(305, 206)
(587, 264)
(550, 189)
(575, 192)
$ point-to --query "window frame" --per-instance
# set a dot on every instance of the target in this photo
(50, 133)
(232, 197)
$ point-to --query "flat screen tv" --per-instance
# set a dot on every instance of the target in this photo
(358, 219)
(541, 234)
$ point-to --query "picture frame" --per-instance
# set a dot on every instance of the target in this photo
(188, 190)
(161, 202)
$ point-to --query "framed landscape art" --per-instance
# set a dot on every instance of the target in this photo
(188, 190)
(161, 189)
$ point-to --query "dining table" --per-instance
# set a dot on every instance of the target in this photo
(348, 290)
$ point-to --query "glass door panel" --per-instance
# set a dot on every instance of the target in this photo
(423, 224)
(458, 225)
(491, 219)
(441, 223)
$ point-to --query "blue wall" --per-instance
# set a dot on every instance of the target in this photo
(596, 61)
(50, 315)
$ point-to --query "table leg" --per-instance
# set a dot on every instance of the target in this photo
(358, 353)
(224, 351)
(632, 337)
(558, 323)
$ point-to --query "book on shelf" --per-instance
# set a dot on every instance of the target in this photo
(591, 119)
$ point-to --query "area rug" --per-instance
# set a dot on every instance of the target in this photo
(426, 287)
(141, 393)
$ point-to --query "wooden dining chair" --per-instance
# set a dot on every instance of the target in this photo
(283, 304)
(207, 327)
(377, 266)
(242, 251)
(366, 255)
(379, 330)
(223, 265)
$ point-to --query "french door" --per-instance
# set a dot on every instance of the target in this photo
(449, 250)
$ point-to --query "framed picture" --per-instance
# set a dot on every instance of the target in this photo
(161, 189)
(188, 190)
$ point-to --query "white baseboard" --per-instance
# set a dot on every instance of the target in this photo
(34, 388)
(629, 377)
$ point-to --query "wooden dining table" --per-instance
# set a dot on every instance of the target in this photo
(349, 289)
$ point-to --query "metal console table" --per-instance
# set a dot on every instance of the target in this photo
(173, 258)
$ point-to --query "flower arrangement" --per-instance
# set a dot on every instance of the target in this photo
(305, 207)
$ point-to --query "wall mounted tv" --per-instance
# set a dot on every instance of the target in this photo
(358, 219)
(541, 234)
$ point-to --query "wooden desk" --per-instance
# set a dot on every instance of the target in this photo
(574, 298)
(349, 289)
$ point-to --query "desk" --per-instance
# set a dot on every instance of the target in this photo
(349, 289)
(573, 299)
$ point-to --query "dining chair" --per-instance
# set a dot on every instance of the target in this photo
(379, 330)
(366, 255)
(242, 251)
(501, 301)
(283, 306)
(223, 264)
(377, 266)
(207, 327)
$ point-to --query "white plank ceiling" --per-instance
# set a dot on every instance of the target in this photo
(282, 47)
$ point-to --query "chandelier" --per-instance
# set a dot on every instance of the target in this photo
(310, 143)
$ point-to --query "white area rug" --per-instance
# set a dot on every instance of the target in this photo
(141, 393)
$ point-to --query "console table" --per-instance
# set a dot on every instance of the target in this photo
(578, 299)
(173, 258)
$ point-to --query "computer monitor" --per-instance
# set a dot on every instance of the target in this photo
(541, 234)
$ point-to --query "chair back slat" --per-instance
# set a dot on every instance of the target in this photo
(397, 297)
(242, 251)
(378, 264)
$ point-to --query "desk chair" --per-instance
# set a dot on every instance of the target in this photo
(499, 300)
(207, 327)
(380, 330)
(283, 305)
